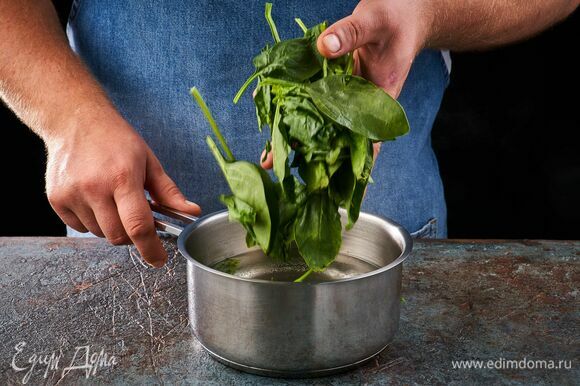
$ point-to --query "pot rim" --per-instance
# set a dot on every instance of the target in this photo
(407, 246)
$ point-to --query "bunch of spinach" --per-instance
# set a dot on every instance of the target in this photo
(323, 121)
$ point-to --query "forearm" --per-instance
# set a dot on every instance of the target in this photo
(41, 79)
(480, 24)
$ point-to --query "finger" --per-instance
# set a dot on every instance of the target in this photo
(70, 219)
(376, 150)
(137, 219)
(164, 191)
(352, 32)
(268, 162)
(87, 217)
(107, 217)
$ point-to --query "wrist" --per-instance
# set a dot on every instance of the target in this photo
(86, 117)
(425, 16)
(430, 16)
(414, 21)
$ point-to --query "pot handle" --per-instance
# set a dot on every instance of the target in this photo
(166, 226)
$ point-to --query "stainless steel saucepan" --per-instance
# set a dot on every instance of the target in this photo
(248, 313)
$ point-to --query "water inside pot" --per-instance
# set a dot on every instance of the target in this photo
(255, 265)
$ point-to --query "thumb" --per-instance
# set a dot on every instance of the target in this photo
(164, 191)
(348, 34)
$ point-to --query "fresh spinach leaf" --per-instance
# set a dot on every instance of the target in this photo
(291, 60)
(229, 265)
(292, 196)
(359, 105)
(342, 185)
(314, 175)
(239, 210)
(263, 102)
(354, 205)
(318, 231)
(280, 147)
(358, 153)
(251, 185)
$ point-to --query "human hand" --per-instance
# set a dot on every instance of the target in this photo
(96, 174)
(385, 36)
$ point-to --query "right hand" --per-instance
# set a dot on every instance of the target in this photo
(95, 179)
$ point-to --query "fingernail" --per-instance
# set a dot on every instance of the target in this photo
(191, 203)
(194, 205)
(157, 263)
(331, 42)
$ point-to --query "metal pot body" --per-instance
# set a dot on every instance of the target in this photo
(294, 329)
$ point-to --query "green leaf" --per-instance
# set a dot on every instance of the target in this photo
(355, 203)
(263, 102)
(332, 156)
(342, 65)
(314, 175)
(229, 265)
(318, 231)
(331, 169)
(353, 207)
(280, 148)
(302, 118)
(250, 240)
(312, 35)
(358, 153)
(359, 105)
(252, 186)
(302, 127)
(243, 213)
(291, 60)
(342, 185)
(292, 198)
(239, 210)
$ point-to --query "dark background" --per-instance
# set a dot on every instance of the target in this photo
(507, 139)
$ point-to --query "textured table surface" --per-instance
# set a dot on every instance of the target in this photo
(485, 300)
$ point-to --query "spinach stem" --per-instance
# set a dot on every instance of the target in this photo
(304, 276)
(325, 68)
(198, 98)
(216, 153)
(350, 64)
(271, 23)
(279, 82)
(301, 24)
(245, 86)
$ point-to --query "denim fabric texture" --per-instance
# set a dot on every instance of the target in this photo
(147, 55)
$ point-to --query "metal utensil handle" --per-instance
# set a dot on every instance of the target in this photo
(166, 226)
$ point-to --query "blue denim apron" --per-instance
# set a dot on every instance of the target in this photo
(147, 55)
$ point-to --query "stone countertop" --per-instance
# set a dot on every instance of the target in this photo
(463, 299)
